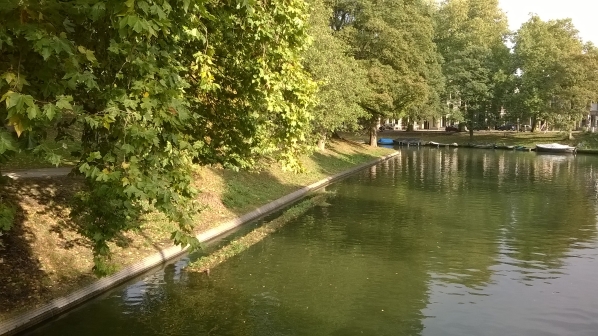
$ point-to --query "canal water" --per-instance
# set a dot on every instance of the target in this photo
(431, 242)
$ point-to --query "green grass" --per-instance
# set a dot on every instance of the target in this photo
(244, 190)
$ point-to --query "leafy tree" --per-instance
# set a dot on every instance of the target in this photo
(557, 80)
(264, 97)
(154, 86)
(393, 42)
(578, 90)
(342, 79)
(471, 37)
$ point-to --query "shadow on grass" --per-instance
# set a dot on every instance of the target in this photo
(45, 255)
(36, 233)
(20, 270)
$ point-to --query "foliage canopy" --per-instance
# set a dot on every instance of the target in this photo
(149, 87)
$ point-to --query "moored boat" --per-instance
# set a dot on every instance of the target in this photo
(438, 144)
(522, 148)
(555, 148)
(408, 142)
(385, 141)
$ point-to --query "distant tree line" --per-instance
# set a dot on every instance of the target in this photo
(419, 60)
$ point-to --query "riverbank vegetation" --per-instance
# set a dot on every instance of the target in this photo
(139, 93)
(45, 255)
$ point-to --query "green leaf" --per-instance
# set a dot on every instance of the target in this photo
(128, 148)
(33, 112)
(20, 82)
(143, 6)
(6, 142)
(160, 12)
(7, 216)
(84, 168)
(139, 25)
(131, 190)
(130, 103)
(12, 99)
(131, 20)
(97, 236)
(28, 100)
(46, 53)
(50, 111)
(114, 46)
(19, 124)
(68, 25)
(92, 122)
(94, 156)
(90, 56)
(97, 11)
(122, 23)
(9, 77)
(7, 97)
(54, 159)
(64, 103)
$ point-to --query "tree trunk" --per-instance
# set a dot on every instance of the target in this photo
(322, 142)
(470, 124)
(570, 136)
(373, 135)
(534, 124)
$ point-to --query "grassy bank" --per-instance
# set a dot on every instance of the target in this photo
(528, 139)
(44, 256)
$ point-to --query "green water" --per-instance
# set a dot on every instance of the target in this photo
(432, 242)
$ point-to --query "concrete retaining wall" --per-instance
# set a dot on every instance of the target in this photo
(62, 304)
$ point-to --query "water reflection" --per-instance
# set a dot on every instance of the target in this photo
(432, 242)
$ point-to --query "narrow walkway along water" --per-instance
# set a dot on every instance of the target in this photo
(432, 242)
(39, 172)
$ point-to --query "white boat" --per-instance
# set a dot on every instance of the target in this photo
(555, 148)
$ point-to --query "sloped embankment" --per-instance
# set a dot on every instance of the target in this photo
(44, 256)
